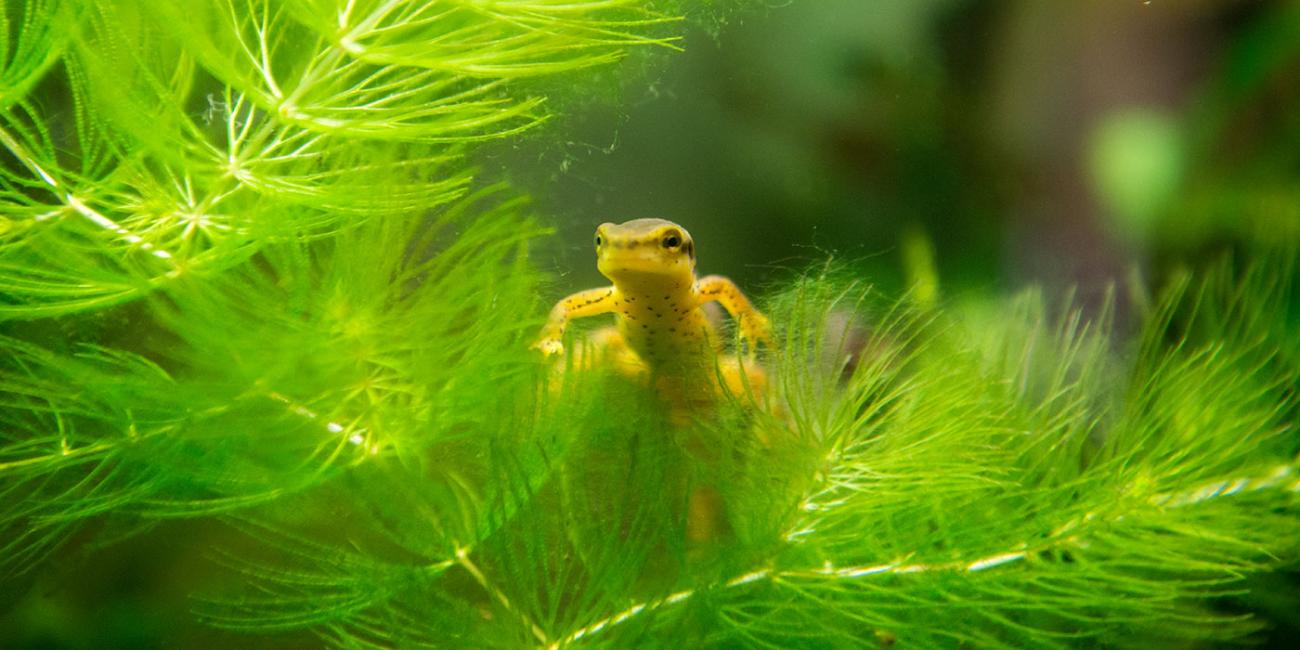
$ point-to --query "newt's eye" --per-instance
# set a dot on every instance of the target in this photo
(672, 240)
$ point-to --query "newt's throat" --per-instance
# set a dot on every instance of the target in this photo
(635, 282)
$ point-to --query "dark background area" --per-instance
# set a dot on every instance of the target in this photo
(1069, 144)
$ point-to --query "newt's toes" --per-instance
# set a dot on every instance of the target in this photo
(549, 347)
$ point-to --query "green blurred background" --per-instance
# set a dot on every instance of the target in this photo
(1070, 144)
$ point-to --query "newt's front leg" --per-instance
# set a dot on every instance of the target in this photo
(591, 302)
(753, 324)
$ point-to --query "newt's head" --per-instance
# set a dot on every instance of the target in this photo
(645, 251)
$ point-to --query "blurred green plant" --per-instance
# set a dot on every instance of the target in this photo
(1136, 162)
(1240, 140)
(310, 323)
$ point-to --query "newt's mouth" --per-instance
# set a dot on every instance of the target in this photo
(639, 265)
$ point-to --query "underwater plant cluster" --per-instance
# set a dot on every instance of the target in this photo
(265, 379)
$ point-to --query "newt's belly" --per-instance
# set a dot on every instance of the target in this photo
(668, 338)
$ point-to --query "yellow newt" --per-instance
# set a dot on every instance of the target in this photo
(656, 300)
(662, 332)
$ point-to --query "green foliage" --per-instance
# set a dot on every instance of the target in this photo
(198, 132)
(296, 313)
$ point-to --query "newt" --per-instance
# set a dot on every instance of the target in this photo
(657, 301)
(662, 335)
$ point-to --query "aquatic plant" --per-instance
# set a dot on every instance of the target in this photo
(247, 276)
